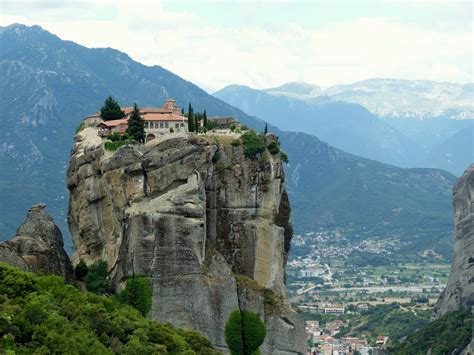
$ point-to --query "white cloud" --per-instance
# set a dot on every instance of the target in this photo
(214, 56)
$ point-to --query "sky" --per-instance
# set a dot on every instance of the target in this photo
(265, 44)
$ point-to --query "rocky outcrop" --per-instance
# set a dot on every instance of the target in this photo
(459, 291)
(195, 216)
(37, 246)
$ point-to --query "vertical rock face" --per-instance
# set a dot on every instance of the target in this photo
(37, 246)
(208, 226)
(459, 291)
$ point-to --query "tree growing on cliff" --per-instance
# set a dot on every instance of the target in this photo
(137, 293)
(96, 278)
(190, 118)
(111, 110)
(81, 270)
(136, 125)
(244, 332)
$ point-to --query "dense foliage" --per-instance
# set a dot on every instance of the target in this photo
(244, 332)
(111, 110)
(137, 293)
(136, 125)
(448, 335)
(81, 270)
(96, 278)
(253, 143)
(390, 320)
(40, 314)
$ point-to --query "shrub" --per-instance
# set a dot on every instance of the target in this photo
(96, 278)
(137, 293)
(244, 332)
(244, 128)
(81, 270)
(254, 144)
(274, 148)
(113, 146)
(284, 157)
(235, 143)
(42, 315)
(212, 124)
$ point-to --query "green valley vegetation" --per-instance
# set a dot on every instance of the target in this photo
(136, 125)
(391, 320)
(42, 315)
(448, 335)
(244, 333)
(111, 110)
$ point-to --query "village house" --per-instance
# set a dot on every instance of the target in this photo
(158, 121)
(334, 309)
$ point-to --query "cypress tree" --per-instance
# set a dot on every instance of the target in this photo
(265, 131)
(204, 118)
(111, 110)
(190, 118)
(136, 125)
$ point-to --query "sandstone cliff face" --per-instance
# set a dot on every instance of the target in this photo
(209, 227)
(37, 246)
(459, 291)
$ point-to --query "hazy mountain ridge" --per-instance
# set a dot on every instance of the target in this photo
(44, 100)
(397, 98)
(401, 141)
(345, 125)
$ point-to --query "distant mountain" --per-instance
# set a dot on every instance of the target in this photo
(297, 90)
(48, 85)
(336, 189)
(409, 98)
(344, 125)
(455, 153)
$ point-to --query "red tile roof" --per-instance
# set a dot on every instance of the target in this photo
(114, 123)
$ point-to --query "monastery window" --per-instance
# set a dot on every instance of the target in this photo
(176, 125)
(167, 125)
(161, 124)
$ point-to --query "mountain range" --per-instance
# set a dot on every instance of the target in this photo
(49, 85)
(346, 116)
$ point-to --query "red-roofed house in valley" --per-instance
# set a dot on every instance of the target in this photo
(158, 121)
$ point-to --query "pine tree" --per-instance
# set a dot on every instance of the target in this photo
(204, 119)
(265, 131)
(111, 110)
(136, 125)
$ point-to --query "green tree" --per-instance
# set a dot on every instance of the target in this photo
(244, 332)
(265, 131)
(254, 144)
(136, 125)
(111, 110)
(81, 270)
(198, 117)
(96, 278)
(204, 118)
(137, 293)
(190, 118)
